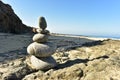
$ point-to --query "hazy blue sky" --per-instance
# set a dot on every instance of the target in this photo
(91, 17)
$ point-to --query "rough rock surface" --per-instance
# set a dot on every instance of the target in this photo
(14, 70)
(96, 60)
(89, 62)
(10, 22)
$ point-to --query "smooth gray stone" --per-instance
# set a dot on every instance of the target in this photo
(40, 38)
(42, 63)
(41, 50)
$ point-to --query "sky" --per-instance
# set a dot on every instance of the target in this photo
(80, 17)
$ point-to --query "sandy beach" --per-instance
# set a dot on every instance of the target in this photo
(11, 42)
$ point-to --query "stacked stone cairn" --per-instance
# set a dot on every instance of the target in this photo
(41, 50)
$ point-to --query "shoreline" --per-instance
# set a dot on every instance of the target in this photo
(85, 36)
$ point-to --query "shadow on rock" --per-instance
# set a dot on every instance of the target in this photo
(77, 61)
(94, 43)
(70, 63)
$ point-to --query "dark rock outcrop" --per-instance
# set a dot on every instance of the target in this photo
(10, 22)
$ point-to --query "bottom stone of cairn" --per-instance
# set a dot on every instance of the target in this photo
(42, 63)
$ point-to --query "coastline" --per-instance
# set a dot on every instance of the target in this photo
(92, 37)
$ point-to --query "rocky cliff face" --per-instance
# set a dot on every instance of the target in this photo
(10, 22)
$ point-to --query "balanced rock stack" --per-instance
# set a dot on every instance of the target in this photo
(41, 50)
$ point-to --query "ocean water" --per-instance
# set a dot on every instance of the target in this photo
(116, 37)
(105, 36)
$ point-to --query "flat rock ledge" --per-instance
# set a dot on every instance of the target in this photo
(100, 61)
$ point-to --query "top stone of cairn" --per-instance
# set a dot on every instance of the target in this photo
(42, 23)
